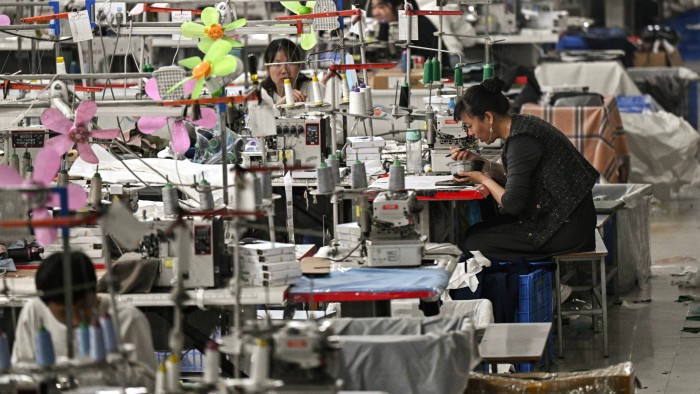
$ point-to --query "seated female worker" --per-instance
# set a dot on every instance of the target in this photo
(543, 190)
(280, 51)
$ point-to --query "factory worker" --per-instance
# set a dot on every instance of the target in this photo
(387, 11)
(49, 310)
(279, 51)
(543, 189)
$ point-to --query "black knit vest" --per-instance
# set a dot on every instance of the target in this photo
(560, 182)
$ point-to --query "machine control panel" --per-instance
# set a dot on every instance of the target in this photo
(202, 240)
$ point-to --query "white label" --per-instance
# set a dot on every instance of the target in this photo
(181, 17)
(290, 206)
(80, 26)
(403, 26)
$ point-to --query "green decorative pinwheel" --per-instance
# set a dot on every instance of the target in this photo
(217, 62)
(308, 40)
(211, 31)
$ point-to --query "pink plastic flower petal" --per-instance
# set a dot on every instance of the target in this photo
(77, 197)
(59, 144)
(152, 89)
(84, 113)
(46, 166)
(5, 20)
(151, 124)
(86, 153)
(189, 86)
(208, 120)
(54, 120)
(44, 235)
(8, 176)
(180, 139)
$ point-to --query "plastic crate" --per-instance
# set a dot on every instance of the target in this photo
(535, 298)
(535, 304)
(190, 360)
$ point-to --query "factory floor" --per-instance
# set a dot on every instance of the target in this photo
(647, 327)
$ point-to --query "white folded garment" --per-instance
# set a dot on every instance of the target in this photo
(464, 275)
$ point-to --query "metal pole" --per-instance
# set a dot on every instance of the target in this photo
(363, 59)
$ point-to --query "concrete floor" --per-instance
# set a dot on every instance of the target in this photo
(650, 334)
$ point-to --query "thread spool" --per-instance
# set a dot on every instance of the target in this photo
(109, 334)
(14, 161)
(359, 175)
(26, 162)
(427, 72)
(437, 70)
(43, 346)
(369, 107)
(170, 202)
(95, 197)
(5, 362)
(488, 71)
(324, 178)
(160, 379)
(397, 179)
(404, 95)
(62, 180)
(345, 88)
(60, 65)
(459, 77)
(316, 89)
(357, 102)
(29, 172)
(83, 338)
(260, 361)
(172, 373)
(211, 367)
(257, 188)
(266, 182)
(97, 343)
(334, 164)
(206, 197)
(288, 93)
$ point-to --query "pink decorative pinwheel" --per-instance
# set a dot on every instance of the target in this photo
(5, 20)
(180, 140)
(47, 164)
(75, 132)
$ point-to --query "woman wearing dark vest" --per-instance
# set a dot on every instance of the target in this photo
(543, 190)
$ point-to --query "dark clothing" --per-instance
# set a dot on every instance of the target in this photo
(558, 183)
(547, 209)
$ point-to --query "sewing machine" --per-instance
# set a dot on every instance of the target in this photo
(449, 133)
(303, 140)
(394, 239)
(210, 264)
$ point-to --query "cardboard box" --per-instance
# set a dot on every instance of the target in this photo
(657, 59)
(614, 379)
(386, 79)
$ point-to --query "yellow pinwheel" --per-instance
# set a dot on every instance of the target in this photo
(211, 31)
(308, 40)
(217, 62)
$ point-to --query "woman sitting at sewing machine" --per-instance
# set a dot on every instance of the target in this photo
(544, 194)
(278, 53)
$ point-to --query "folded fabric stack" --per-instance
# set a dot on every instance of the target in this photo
(349, 235)
(263, 264)
(85, 239)
(364, 148)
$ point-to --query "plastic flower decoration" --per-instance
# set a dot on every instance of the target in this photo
(75, 132)
(217, 62)
(180, 140)
(308, 40)
(5, 20)
(211, 31)
(47, 165)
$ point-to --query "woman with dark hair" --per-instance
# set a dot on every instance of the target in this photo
(280, 51)
(543, 188)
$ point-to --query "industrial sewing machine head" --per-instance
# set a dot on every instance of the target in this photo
(394, 239)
